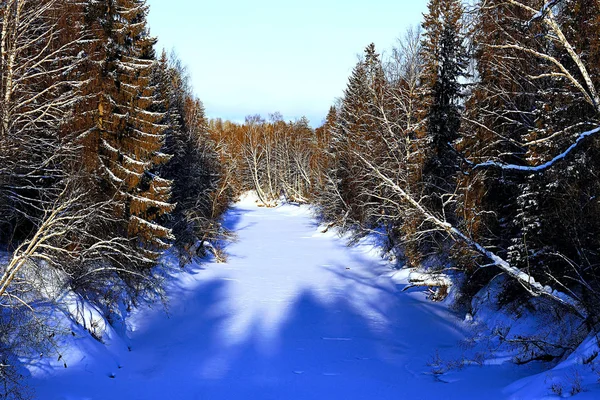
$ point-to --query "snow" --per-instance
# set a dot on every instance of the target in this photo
(547, 164)
(293, 314)
(568, 377)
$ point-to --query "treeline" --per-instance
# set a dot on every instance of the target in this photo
(274, 158)
(105, 162)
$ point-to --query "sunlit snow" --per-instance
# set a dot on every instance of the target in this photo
(293, 314)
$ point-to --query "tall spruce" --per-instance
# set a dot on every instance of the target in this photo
(433, 163)
(445, 63)
(129, 135)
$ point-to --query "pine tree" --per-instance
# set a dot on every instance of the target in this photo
(444, 114)
(445, 63)
(338, 197)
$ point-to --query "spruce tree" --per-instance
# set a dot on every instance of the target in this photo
(433, 164)
(123, 132)
(193, 167)
(445, 61)
(357, 133)
(351, 121)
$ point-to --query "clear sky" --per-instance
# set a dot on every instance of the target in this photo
(261, 56)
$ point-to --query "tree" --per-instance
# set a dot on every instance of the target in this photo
(433, 163)
(273, 157)
(193, 168)
(529, 141)
(38, 55)
(125, 136)
(445, 63)
(358, 126)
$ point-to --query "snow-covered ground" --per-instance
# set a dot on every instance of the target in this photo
(293, 314)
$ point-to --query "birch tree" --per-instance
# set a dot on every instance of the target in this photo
(38, 88)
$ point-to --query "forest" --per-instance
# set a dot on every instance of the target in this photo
(471, 148)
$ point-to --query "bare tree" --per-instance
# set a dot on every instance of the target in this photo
(562, 63)
(38, 88)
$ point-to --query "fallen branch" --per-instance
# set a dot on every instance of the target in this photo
(438, 284)
(528, 281)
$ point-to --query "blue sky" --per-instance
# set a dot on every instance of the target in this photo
(257, 57)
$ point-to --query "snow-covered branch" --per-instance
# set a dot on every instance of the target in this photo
(544, 166)
(527, 280)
